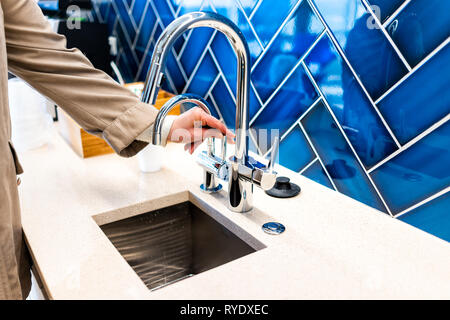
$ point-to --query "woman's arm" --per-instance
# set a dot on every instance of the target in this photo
(99, 104)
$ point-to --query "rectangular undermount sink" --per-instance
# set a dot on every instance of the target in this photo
(173, 243)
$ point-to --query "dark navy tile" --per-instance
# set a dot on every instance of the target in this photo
(295, 151)
(276, 12)
(125, 71)
(125, 19)
(111, 19)
(248, 5)
(386, 7)
(225, 103)
(212, 109)
(204, 77)
(417, 173)
(367, 49)
(146, 30)
(164, 12)
(226, 58)
(295, 96)
(145, 65)
(227, 62)
(355, 113)
(104, 8)
(432, 217)
(95, 15)
(285, 51)
(138, 10)
(232, 11)
(175, 73)
(188, 6)
(421, 100)
(316, 173)
(420, 27)
(124, 44)
(157, 34)
(175, 4)
(344, 169)
(195, 46)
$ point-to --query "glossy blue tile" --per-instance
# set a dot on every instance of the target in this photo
(232, 11)
(277, 10)
(248, 5)
(355, 113)
(416, 173)
(429, 87)
(175, 4)
(371, 55)
(126, 19)
(145, 65)
(164, 12)
(225, 103)
(138, 10)
(204, 77)
(104, 8)
(226, 58)
(316, 173)
(285, 51)
(111, 19)
(347, 174)
(195, 46)
(409, 109)
(187, 6)
(175, 73)
(295, 151)
(386, 7)
(227, 61)
(124, 44)
(420, 27)
(212, 109)
(296, 95)
(95, 15)
(146, 31)
(125, 71)
(432, 217)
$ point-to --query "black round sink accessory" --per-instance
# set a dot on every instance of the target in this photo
(284, 188)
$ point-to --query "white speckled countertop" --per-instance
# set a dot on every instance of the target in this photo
(333, 247)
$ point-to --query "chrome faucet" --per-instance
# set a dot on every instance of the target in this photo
(240, 171)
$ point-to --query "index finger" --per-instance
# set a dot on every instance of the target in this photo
(213, 122)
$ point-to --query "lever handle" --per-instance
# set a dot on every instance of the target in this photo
(273, 154)
(224, 149)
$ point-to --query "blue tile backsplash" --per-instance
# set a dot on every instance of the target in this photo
(358, 89)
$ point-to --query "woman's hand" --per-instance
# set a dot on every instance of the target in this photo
(194, 126)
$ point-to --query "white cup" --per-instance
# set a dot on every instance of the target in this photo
(151, 158)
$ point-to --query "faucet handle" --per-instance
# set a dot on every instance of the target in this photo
(273, 154)
(265, 176)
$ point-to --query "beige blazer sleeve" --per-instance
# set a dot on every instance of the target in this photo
(99, 104)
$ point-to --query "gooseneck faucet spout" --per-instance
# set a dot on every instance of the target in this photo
(242, 173)
(239, 44)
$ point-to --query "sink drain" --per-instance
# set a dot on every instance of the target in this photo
(273, 228)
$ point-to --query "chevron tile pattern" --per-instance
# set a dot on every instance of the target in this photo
(357, 89)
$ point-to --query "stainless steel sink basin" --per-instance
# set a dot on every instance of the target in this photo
(173, 243)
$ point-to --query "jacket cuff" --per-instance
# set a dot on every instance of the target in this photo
(122, 132)
(147, 135)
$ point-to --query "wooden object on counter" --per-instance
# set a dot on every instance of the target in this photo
(87, 145)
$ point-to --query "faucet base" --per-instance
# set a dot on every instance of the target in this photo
(211, 190)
